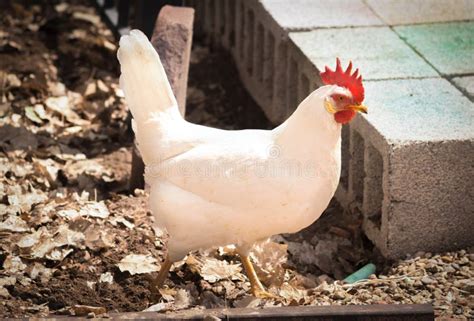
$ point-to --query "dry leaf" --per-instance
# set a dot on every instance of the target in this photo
(94, 209)
(247, 302)
(62, 106)
(4, 292)
(29, 240)
(92, 18)
(39, 270)
(14, 223)
(61, 7)
(157, 307)
(106, 277)
(6, 281)
(48, 168)
(138, 264)
(90, 208)
(82, 310)
(268, 258)
(13, 81)
(13, 264)
(182, 299)
(290, 293)
(59, 104)
(49, 246)
(123, 221)
(213, 270)
(58, 254)
(69, 213)
(97, 238)
(30, 113)
(167, 294)
(26, 200)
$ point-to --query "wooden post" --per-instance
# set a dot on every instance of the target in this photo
(376, 312)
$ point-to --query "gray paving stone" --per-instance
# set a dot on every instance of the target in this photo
(377, 51)
(310, 14)
(419, 110)
(449, 47)
(396, 12)
(466, 84)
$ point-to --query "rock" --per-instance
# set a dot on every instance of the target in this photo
(465, 285)
(427, 280)
(449, 269)
(210, 300)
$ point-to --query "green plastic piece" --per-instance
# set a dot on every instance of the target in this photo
(361, 274)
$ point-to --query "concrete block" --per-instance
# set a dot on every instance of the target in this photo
(416, 169)
(466, 85)
(431, 207)
(378, 52)
(397, 12)
(311, 14)
(449, 47)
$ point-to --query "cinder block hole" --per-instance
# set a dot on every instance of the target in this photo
(292, 83)
(345, 155)
(231, 16)
(280, 73)
(304, 89)
(259, 54)
(242, 31)
(250, 39)
(269, 64)
(357, 166)
(373, 188)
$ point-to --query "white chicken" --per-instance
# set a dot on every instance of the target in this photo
(211, 187)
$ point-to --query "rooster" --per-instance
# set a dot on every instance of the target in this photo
(212, 187)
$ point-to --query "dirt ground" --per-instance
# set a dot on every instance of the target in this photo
(74, 240)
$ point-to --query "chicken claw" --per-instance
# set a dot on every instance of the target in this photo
(264, 294)
(257, 288)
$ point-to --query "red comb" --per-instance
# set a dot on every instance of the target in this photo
(353, 82)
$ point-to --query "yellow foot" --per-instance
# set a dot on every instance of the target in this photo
(262, 294)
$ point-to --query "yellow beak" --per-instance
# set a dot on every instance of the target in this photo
(360, 108)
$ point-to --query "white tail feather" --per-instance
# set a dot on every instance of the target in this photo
(143, 79)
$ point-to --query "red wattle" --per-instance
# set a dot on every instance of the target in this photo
(344, 116)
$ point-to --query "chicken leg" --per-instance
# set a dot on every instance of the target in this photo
(160, 279)
(257, 288)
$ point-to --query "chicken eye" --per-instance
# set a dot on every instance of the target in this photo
(341, 98)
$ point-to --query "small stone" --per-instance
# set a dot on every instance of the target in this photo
(447, 259)
(339, 295)
(419, 254)
(465, 284)
(449, 269)
(427, 280)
